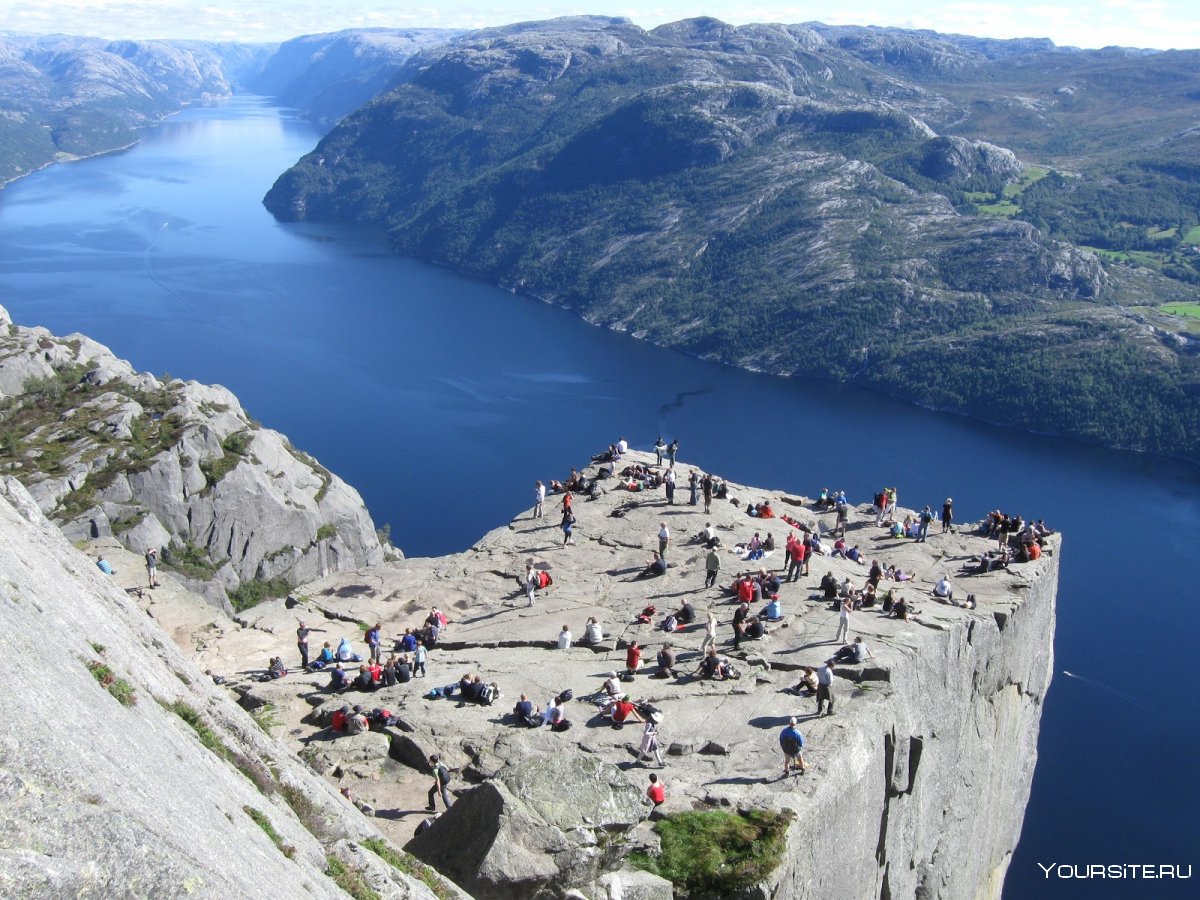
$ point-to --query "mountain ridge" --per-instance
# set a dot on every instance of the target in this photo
(701, 185)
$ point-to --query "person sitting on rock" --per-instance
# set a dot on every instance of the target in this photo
(275, 669)
(337, 678)
(345, 653)
(464, 686)
(829, 586)
(623, 711)
(325, 657)
(633, 657)
(901, 610)
(657, 566)
(363, 681)
(526, 713)
(388, 674)
(765, 511)
(403, 671)
(944, 590)
(408, 643)
(686, 614)
(666, 662)
(773, 611)
(612, 688)
(376, 670)
(855, 652)
(565, 638)
(754, 630)
(104, 566)
(592, 632)
(338, 723)
(868, 598)
(807, 686)
(711, 668)
(356, 722)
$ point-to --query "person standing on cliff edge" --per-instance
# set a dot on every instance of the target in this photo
(539, 499)
(302, 634)
(791, 742)
(947, 514)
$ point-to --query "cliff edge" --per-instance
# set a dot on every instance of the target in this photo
(915, 788)
(108, 451)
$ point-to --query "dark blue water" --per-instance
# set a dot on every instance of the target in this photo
(442, 400)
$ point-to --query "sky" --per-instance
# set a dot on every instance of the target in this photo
(1161, 24)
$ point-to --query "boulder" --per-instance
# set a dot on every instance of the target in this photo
(540, 826)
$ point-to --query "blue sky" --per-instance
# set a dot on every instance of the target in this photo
(1162, 24)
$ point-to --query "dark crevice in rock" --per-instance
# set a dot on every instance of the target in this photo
(889, 754)
(885, 889)
(970, 631)
(1001, 619)
(916, 746)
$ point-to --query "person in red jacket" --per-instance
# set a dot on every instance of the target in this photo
(633, 657)
(656, 792)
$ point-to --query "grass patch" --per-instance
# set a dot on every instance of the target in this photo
(1187, 310)
(265, 824)
(1193, 235)
(254, 771)
(125, 523)
(256, 590)
(349, 880)
(325, 532)
(717, 852)
(1004, 208)
(414, 868)
(265, 717)
(121, 689)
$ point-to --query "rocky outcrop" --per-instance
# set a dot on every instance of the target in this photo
(537, 828)
(176, 465)
(941, 727)
(127, 773)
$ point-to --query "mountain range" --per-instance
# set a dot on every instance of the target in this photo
(921, 214)
(1004, 229)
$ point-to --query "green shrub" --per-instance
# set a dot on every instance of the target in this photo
(325, 532)
(717, 852)
(349, 880)
(188, 559)
(255, 590)
(265, 824)
(121, 689)
(402, 862)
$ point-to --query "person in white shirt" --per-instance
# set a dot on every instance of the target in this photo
(664, 538)
(843, 632)
(622, 446)
(944, 589)
(531, 581)
(564, 638)
(539, 499)
(593, 633)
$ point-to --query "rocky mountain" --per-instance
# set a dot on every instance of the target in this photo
(773, 198)
(63, 97)
(132, 775)
(104, 450)
(326, 76)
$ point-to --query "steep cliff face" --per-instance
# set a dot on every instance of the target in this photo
(106, 451)
(934, 789)
(915, 788)
(124, 772)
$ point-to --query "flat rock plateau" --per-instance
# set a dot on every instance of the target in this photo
(916, 787)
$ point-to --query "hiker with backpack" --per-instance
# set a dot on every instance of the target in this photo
(441, 783)
(791, 741)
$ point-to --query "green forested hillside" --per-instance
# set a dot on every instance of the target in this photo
(795, 203)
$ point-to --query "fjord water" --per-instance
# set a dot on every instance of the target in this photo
(442, 399)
